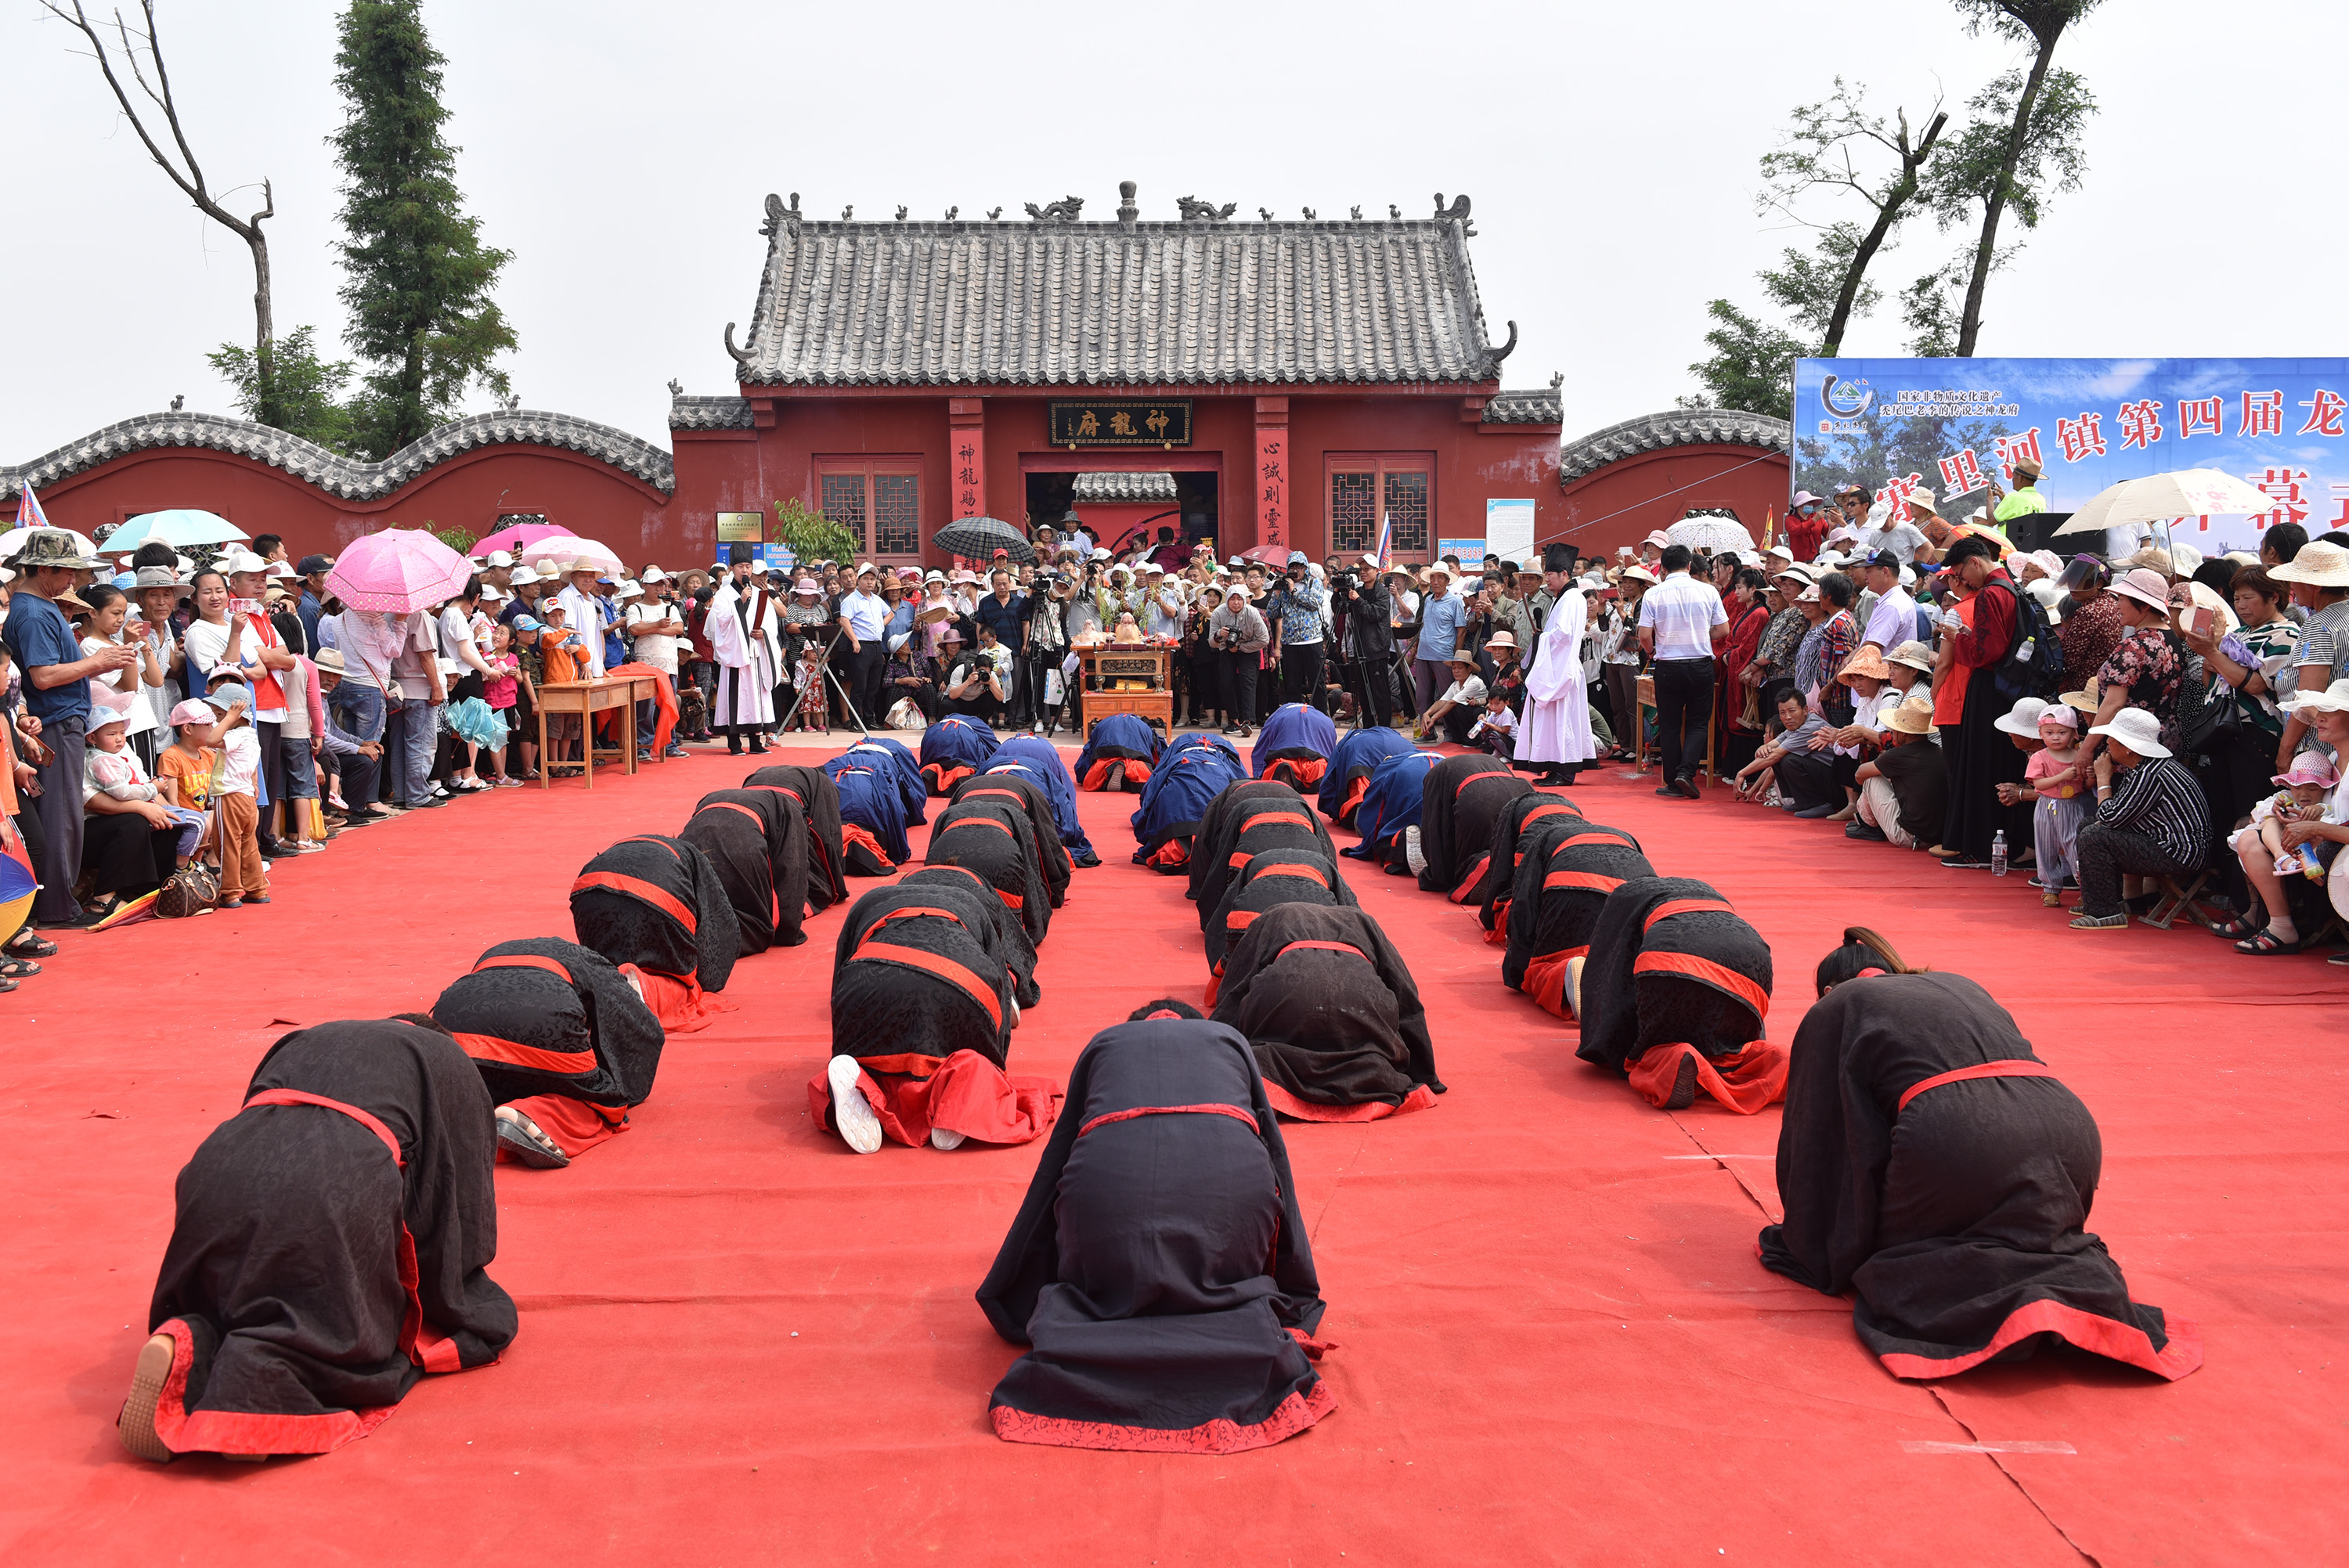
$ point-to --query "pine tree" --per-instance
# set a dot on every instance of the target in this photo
(422, 319)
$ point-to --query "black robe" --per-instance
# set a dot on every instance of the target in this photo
(1958, 1217)
(540, 1015)
(991, 840)
(1331, 1012)
(1561, 886)
(656, 902)
(1670, 961)
(757, 843)
(1160, 1262)
(811, 791)
(281, 1284)
(1521, 822)
(1249, 827)
(1053, 862)
(967, 891)
(916, 977)
(1459, 802)
(1274, 877)
(1213, 837)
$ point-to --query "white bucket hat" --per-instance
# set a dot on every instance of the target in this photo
(2022, 719)
(2135, 728)
(2333, 698)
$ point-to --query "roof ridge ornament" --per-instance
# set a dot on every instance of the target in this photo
(780, 217)
(1455, 213)
(1494, 356)
(1195, 211)
(742, 356)
(1126, 211)
(1064, 210)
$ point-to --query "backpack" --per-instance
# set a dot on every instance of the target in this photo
(2033, 666)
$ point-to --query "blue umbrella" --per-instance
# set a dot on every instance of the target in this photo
(179, 527)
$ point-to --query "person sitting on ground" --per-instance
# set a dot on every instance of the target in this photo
(133, 839)
(1788, 761)
(1902, 790)
(1197, 1342)
(1932, 1167)
(1332, 1014)
(922, 1005)
(976, 682)
(2314, 836)
(1673, 994)
(291, 1316)
(564, 1042)
(1450, 717)
(2151, 819)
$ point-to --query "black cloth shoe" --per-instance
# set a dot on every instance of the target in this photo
(1861, 831)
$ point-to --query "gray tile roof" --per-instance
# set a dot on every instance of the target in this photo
(339, 476)
(708, 413)
(1532, 406)
(1124, 486)
(1056, 302)
(1673, 427)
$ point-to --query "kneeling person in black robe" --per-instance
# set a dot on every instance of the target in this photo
(1331, 1012)
(1933, 1166)
(1159, 1271)
(330, 1248)
(656, 902)
(564, 1041)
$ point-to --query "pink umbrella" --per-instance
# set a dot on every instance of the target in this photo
(398, 571)
(511, 539)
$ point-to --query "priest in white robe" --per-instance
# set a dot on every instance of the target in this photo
(741, 627)
(1555, 731)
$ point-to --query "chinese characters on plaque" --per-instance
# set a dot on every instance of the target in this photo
(1120, 424)
(1272, 484)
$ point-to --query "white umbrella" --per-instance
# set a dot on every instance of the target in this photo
(562, 550)
(13, 540)
(1720, 535)
(2161, 498)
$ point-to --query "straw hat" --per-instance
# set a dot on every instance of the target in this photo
(2135, 728)
(2087, 699)
(2023, 719)
(2206, 597)
(2153, 557)
(1639, 575)
(1913, 655)
(1864, 665)
(1500, 640)
(2184, 560)
(1922, 498)
(2333, 698)
(2319, 563)
(1913, 717)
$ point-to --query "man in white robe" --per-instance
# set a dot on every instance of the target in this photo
(742, 628)
(1555, 731)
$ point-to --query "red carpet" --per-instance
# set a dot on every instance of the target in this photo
(740, 1342)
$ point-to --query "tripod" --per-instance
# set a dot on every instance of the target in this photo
(847, 704)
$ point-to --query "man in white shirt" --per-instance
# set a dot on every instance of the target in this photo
(655, 625)
(863, 617)
(584, 613)
(1681, 622)
(1892, 619)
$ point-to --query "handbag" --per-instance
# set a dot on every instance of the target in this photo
(194, 890)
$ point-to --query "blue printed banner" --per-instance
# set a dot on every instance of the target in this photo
(1957, 425)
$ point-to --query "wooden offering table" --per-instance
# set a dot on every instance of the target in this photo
(586, 699)
(1107, 665)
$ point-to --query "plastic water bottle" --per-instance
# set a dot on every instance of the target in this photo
(1998, 853)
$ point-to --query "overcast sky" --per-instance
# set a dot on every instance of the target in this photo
(621, 151)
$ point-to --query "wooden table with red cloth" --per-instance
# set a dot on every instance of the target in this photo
(297, 1313)
(1674, 995)
(922, 997)
(1520, 823)
(1458, 803)
(656, 902)
(1332, 1014)
(1159, 1273)
(756, 843)
(1561, 886)
(1932, 1166)
(559, 1034)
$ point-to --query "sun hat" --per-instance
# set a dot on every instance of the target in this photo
(239, 562)
(2148, 587)
(1807, 596)
(580, 564)
(2320, 565)
(2184, 560)
(1864, 665)
(2333, 698)
(652, 574)
(1660, 539)
(282, 569)
(2136, 728)
(155, 577)
(2087, 699)
(806, 585)
(224, 697)
(2023, 719)
(100, 715)
(1922, 497)
(934, 575)
(898, 641)
(2206, 597)
(1912, 716)
(2153, 557)
(2309, 768)
(1640, 572)
(1501, 640)
(1100, 553)
(2062, 717)
(195, 710)
(628, 590)
(328, 660)
(1436, 568)
(1802, 499)
(1784, 550)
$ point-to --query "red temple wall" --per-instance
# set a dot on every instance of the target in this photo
(1625, 501)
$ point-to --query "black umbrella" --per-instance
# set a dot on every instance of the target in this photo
(978, 538)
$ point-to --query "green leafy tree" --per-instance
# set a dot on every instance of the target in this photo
(308, 394)
(422, 317)
(1751, 368)
(811, 535)
(2027, 102)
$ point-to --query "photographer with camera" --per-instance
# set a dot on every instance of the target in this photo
(1361, 608)
(1046, 646)
(1295, 606)
(1240, 637)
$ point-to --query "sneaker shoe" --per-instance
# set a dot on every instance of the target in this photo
(1412, 855)
(2100, 922)
(942, 1139)
(854, 1118)
(1863, 832)
(135, 1424)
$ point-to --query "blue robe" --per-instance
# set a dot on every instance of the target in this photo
(869, 798)
(1358, 756)
(1194, 771)
(955, 745)
(1392, 804)
(1295, 728)
(1036, 758)
(1120, 736)
(913, 790)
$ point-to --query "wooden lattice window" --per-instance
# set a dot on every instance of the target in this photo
(896, 515)
(844, 503)
(1366, 491)
(877, 501)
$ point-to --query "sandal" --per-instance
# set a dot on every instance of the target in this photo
(2267, 944)
(29, 944)
(18, 969)
(2241, 927)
